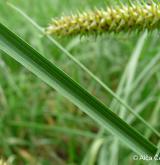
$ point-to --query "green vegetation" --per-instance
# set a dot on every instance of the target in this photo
(39, 126)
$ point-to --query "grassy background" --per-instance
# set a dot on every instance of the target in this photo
(39, 126)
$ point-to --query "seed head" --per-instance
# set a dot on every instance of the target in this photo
(123, 18)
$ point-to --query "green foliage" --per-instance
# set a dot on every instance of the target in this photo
(39, 126)
(53, 76)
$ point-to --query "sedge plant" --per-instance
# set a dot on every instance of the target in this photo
(121, 18)
(124, 18)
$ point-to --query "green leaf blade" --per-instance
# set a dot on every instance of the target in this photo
(53, 76)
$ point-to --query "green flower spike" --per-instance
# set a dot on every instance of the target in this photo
(123, 18)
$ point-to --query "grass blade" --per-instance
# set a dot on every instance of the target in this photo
(78, 63)
(53, 76)
(45, 127)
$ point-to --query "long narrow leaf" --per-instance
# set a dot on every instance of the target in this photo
(53, 76)
(81, 66)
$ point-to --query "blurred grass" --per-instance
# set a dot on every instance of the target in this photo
(106, 57)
